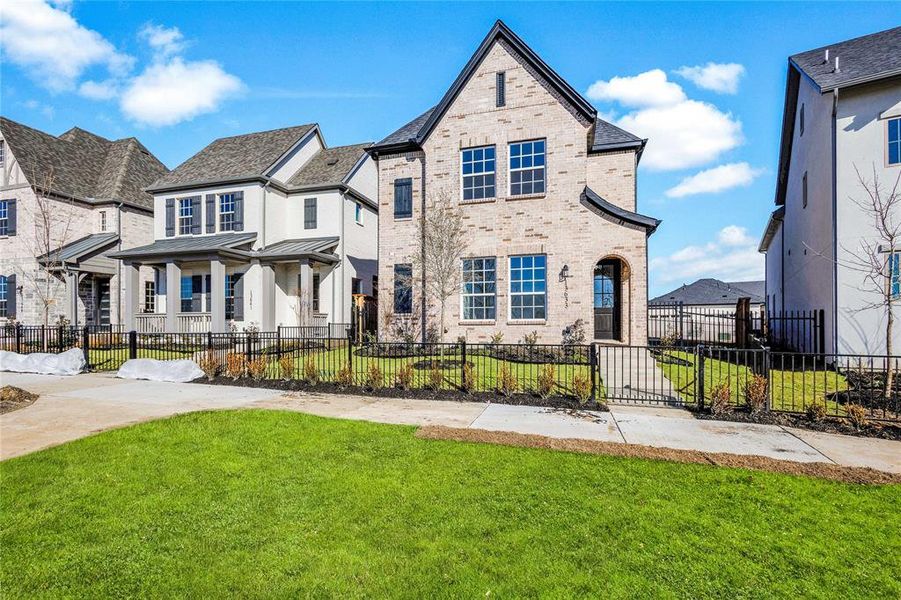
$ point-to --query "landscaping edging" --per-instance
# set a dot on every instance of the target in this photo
(296, 385)
(874, 429)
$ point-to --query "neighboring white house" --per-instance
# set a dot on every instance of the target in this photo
(270, 228)
(67, 202)
(842, 112)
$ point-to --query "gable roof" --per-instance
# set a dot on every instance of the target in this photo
(649, 224)
(331, 165)
(713, 291)
(75, 251)
(84, 166)
(234, 158)
(606, 137)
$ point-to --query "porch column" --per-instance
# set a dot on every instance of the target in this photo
(132, 294)
(267, 278)
(72, 297)
(173, 295)
(217, 296)
(305, 310)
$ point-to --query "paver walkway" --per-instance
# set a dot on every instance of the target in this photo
(74, 407)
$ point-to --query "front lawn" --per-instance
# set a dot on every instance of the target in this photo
(257, 503)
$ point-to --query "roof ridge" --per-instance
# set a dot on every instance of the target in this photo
(231, 137)
(849, 40)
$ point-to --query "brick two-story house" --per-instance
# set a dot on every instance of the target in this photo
(547, 192)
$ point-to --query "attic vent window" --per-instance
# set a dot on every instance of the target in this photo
(501, 99)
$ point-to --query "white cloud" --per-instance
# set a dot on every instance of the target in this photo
(99, 90)
(718, 77)
(165, 41)
(650, 88)
(50, 45)
(731, 256)
(717, 179)
(167, 93)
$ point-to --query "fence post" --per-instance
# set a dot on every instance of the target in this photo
(767, 366)
(248, 346)
(132, 344)
(59, 337)
(85, 345)
(350, 351)
(592, 369)
(821, 317)
(278, 341)
(681, 322)
(18, 338)
(463, 364)
(699, 381)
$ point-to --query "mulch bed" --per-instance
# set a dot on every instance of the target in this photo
(13, 398)
(295, 385)
(875, 429)
(721, 459)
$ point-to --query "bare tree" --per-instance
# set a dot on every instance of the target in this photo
(443, 235)
(53, 221)
(302, 308)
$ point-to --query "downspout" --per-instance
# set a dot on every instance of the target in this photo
(834, 220)
(422, 246)
(119, 264)
(339, 269)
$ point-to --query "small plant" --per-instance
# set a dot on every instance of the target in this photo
(721, 399)
(582, 387)
(574, 335)
(497, 338)
(257, 367)
(469, 381)
(374, 379)
(286, 366)
(345, 376)
(506, 381)
(756, 393)
(816, 411)
(310, 371)
(857, 414)
(530, 340)
(436, 377)
(403, 380)
(235, 365)
(547, 378)
(210, 364)
(669, 340)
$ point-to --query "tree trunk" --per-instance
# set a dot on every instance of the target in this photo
(890, 367)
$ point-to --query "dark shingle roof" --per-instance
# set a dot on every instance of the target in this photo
(862, 59)
(235, 157)
(713, 291)
(84, 166)
(331, 165)
(608, 136)
(408, 131)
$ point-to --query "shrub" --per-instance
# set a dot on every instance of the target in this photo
(756, 393)
(721, 399)
(669, 340)
(403, 380)
(816, 411)
(210, 364)
(857, 414)
(311, 371)
(257, 367)
(530, 340)
(547, 378)
(506, 381)
(574, 335)
(374, 377)
(345, 376)
(469, 381)
(286, 366)
(436, 377)
(582, 387)
(235, 365)
(497, 338)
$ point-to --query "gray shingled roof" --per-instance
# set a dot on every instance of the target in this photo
(608, 136)
(649, 224)
(74, 251)
(408, 131)
(331, 165)
(84, 166)
(188, 245)
(235, 157)
(713, 291)
(862, 59)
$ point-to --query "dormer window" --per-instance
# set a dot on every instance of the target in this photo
(185, 216)
(501, 96)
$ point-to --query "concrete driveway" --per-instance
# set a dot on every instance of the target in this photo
(73, 407)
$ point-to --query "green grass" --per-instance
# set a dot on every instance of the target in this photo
(276, 504)
(790, 390)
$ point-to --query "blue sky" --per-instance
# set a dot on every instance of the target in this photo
(178, 75)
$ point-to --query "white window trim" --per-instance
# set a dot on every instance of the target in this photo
(510, 170)
(178, 215)
(463, 294)
(5, 205)
(486, 199)
(358, 213)
(219, 212)
(510, 292)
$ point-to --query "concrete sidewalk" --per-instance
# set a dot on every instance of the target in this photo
(73, 407)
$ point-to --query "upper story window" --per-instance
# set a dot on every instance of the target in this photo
(226, 212)
(185, 215)
(804, 190)
(103, 223)
(894, 260)
(309, 213)
(527, 172)
(528, 287)
(894, 141)
(479, 291)
(501, 96)
(358, 213)
(403, 198)
(801, 120)
(4, 217)
(478, 173)
(2, 153)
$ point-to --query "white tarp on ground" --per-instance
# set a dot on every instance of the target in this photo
(70, 362)
(176, 371)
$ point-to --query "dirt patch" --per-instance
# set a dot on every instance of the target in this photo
(296, 385)
(13, 398)
(876, 429)
(755, 463)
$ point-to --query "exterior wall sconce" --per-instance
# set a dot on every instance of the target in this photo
(564, 273)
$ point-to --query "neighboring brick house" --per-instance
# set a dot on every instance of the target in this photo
(269, 228)
(547, 191)
(91, 191)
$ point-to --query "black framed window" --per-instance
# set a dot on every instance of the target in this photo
(403, 289)
(316, 280)
(403, 198)
(478, 166)
(149, 296)
(527, 168)
(309, 213)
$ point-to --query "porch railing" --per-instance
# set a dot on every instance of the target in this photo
(194, 322)
(150, 323)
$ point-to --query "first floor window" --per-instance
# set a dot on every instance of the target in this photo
(226, 212)
(316, 279)
(187, 293)
(403, 289)
(356, 285)
(479, 288)
(185, 216)
(527, 168)
(4, 217)
(894, 268)
(478, 173)
(4, 291)
(894, 141)
(230, 296)
(149, 296)
(528, 287)
(309, 213)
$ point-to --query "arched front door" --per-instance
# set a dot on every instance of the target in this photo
(607, 276)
